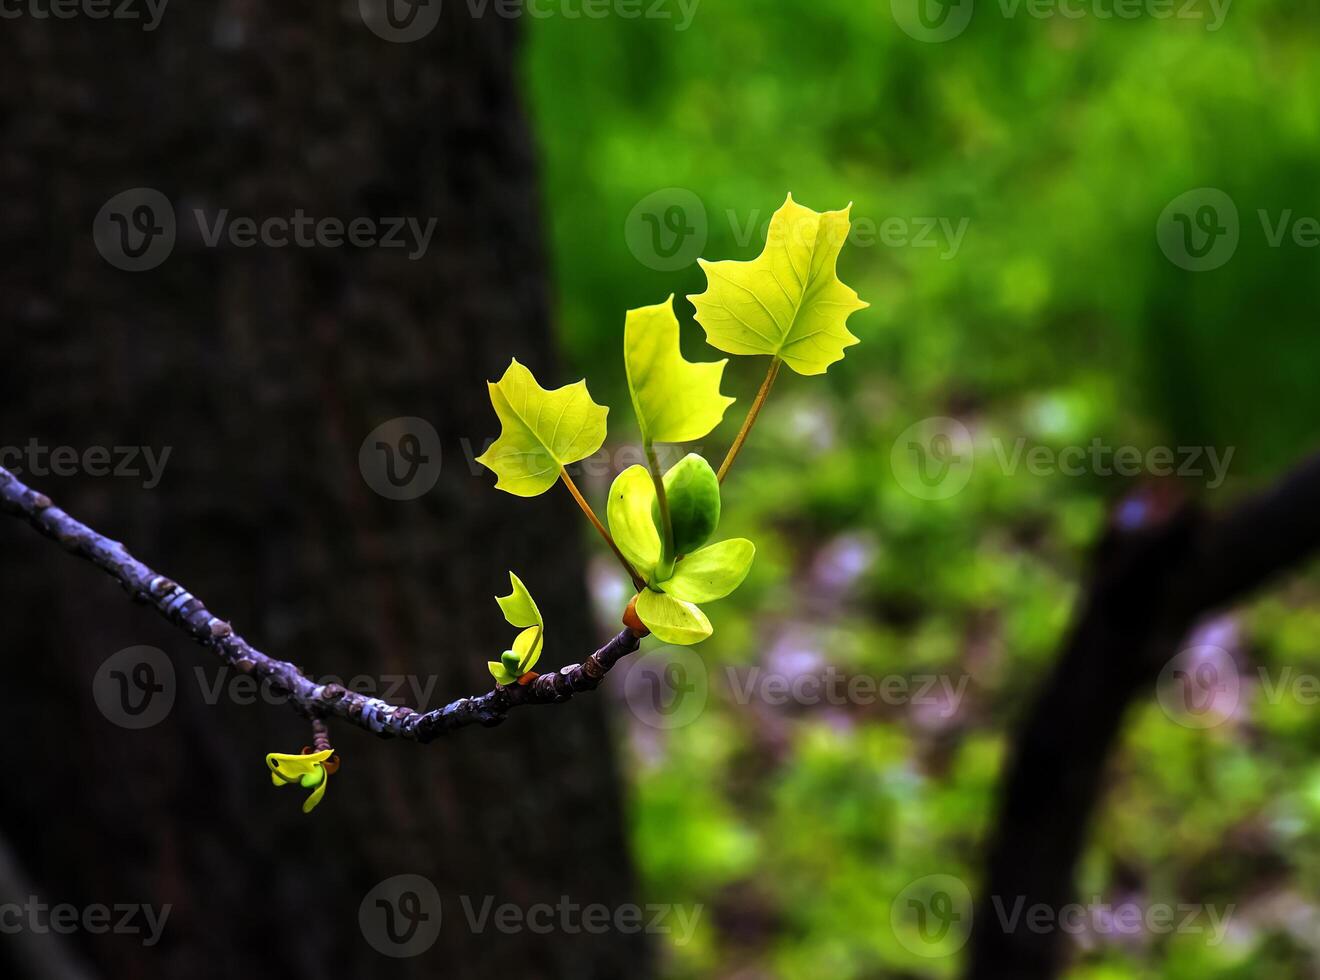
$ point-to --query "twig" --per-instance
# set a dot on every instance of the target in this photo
(761, 395)
(188, 612)
(637, 579)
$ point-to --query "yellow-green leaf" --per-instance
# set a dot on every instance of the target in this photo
(501, 673)
(518, 606)
(540, 431)
(527, 647)
(629, 515)
(307, 771)
(711, 573)
(672, 620)
(676, 400)
(789, 301)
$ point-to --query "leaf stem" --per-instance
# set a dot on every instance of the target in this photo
(667, 556)
(638, 581)
(752, 413)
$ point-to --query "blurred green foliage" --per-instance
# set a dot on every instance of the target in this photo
(1051, 319)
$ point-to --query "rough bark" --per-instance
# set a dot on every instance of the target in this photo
(264, 369)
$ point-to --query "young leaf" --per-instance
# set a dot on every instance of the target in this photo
(693, 492)
(307, 771)
(540, 431)
(527, 648)
(518, 606)
(520, 610)
(676, 400)
(789, 301)
(501, 673)
(672, 620)
(711, 573)
(629, 514)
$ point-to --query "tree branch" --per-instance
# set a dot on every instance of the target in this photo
(1162, 566)
(188, 612)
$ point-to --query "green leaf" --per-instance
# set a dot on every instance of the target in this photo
(518, 606)
(676, 400)
(693, 492)
(520, 610)
(629, 515)
(711, 573)
(540, 431)
(672, 620)
(501, 673)
(789, 301)
(527, 648)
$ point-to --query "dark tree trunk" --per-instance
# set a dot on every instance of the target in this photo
(264, 369)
